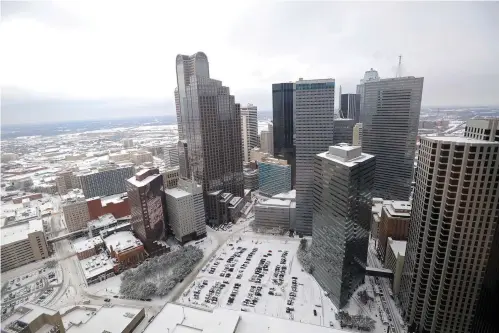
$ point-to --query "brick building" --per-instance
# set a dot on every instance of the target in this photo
(125, 249)
(117, 205)
(394, 223)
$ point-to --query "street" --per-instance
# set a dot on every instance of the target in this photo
(385, 286)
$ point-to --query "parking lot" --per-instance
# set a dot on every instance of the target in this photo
(261, 275)
(37, 287)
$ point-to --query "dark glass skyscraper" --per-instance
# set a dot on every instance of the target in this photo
(343, 180)
(283, 124)
(211, 125)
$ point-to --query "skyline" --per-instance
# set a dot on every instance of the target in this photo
(56, 74)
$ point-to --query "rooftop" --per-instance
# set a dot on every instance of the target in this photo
(115, 198)
(176, 193)
(346, 155)
(122, 241)
(102, 221)
(96, 265)
(175, 318)
(399, 208)
(139, 183)
(81, 245)
(458, 139)
(93, 318)
(19, 232)
(286, 195)
(398, 247)
(25, 313)
(275, 202)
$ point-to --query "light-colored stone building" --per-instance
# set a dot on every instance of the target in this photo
(23, 243)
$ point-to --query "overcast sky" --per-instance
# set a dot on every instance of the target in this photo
(84, 60)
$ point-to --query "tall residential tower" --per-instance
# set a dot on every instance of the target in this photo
(451, 233)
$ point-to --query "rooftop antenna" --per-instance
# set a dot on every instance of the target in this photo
(399, 68)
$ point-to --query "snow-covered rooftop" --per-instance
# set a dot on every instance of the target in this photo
(459, 139)
(19, 232)
(291, 195)
(176, 192)
(93, 318)
(121, 241)
(96, 265)
(81, 245)
(398, 247)
(175, 318)
(346, 155)
(139, 183)
(26, 313)
(276, 202)
(399, 208)
(102, 221)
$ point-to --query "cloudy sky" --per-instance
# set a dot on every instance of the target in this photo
(74, 60)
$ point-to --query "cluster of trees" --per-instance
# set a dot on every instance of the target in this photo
(362, 323)
(51, 263)
(159, 275)
(304, 255)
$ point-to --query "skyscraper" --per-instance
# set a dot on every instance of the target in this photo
(283, 122)
(350, 106)
(357, 135)
(483, 129)
(390, 116)
(211, 125)
(343, 130)
(453, 221)
(343, 180)
(267, 140)
(145, 194)
(314, 124)
(249, 126)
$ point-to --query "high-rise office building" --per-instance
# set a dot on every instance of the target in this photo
(483, 129)
(267, 140)
(343, 180)
(186, 211)
(350, 106)
(170, 154)
(343, 130)
(249, 126)
(146, 197)
(274, 176)
(314, 124)
(105, 181)
(211, 123)
(283, 123)
(390, 116)
(453, 221)
(357, 135)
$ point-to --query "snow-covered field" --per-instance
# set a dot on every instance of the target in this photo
(309, 295)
